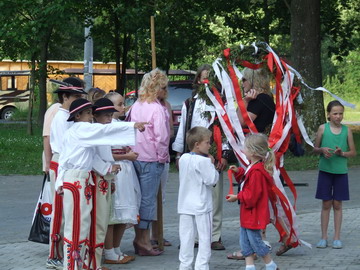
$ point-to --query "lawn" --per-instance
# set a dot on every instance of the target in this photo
(21, 154)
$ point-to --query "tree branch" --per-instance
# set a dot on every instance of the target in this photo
(288, 6)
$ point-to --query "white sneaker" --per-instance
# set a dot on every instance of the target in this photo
(54, 264)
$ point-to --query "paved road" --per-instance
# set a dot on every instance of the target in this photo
(18, 195)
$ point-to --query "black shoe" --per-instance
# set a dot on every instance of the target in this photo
(217, 245)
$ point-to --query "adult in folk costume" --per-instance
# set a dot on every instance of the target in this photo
(196, 112)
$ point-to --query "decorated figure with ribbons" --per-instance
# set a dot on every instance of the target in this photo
(241, 113)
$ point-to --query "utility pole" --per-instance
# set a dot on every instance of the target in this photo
(88, 59)
(159, 221)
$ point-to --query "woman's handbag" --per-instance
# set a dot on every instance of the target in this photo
(40, 228)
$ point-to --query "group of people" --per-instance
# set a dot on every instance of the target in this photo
(106, 169)
(334, 143)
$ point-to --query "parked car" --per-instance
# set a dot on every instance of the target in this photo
(178, 92)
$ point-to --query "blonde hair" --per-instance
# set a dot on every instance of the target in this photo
(257, 145)
(151, 84)
(95, 94)
(259, 79)
(197, 134)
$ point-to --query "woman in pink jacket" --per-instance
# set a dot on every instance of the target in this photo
(152, 145)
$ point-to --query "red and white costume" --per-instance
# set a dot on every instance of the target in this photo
(75, 164)
(101, 202)
(58, 127)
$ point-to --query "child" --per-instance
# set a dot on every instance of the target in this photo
(67, 93)
(254, 199)
(334, 142)
(74, 180)
(102, 189)
(127, 195)
(197, 176)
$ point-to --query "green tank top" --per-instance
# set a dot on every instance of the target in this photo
(336, 164)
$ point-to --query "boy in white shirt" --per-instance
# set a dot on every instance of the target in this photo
(70, 89)
(77, 158)
(197, 175)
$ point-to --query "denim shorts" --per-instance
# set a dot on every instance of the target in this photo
(251, 242)
(149, 179)
(332, 186)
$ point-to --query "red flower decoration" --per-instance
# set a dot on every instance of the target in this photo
(205, 81)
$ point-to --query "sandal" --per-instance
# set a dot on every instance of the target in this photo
(283, 248)
(236, 255)
(121, 260)
(155, 243)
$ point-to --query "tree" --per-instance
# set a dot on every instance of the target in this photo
(306, 58)
(30, 26)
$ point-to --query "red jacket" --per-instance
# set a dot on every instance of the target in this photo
(254, 197)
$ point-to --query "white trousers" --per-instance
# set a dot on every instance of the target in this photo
(77, 204)
(188, 226)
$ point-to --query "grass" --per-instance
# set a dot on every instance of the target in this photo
(350, 114)
(21, 153)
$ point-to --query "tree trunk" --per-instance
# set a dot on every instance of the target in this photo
(117, 52)
(31, 96)
(126, 45)
(42, 81)
(266, 22)
(306, 58)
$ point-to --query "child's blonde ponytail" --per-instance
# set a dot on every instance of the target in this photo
(257, 144)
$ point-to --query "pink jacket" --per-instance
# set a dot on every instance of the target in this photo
(152, 144)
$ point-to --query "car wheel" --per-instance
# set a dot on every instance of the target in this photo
(7, 113)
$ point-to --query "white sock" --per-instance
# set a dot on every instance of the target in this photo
(271, 265)
(117, 250)
(110, 254)
(250, 267)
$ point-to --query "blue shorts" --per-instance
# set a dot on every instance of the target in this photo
(251, 242)
(332, 187)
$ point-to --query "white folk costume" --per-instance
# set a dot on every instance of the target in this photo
(101, 202)
(197, 176)
(192, 115)
(59, 126)
(75, 165)
(127, 196)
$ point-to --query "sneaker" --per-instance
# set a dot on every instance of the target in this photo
(54, 264)
(337, 244)
(322, 243)
(267, 243)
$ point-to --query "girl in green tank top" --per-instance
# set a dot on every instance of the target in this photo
(334, 142)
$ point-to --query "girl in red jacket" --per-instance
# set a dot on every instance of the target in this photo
(255, 183)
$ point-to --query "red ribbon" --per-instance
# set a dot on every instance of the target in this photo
(238, 96)
(218, 142)
(250, 65)
(231, 188)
